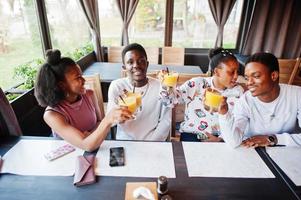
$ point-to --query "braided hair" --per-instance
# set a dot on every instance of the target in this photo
(217, 56)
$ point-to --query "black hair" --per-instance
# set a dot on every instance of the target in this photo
(47, 90)
(217, 56)
(133, 46)
(267, 59)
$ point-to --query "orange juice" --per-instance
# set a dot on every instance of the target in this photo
(130, 102)
(170, 79)
(213, 98)
(138, 97)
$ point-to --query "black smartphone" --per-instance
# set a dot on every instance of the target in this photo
(116, 156)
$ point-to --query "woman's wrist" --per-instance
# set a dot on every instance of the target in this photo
(107, 122)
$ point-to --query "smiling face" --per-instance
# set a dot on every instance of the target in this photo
(135, 64)
(261, 81)
(227, 73)
(73, 83)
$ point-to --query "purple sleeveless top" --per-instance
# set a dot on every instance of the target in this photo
(80, 114)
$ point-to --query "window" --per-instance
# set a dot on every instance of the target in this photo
(19, 38)
(110, 23)
(148, 23)
(69, 29)
(194, 26)
(232, 26)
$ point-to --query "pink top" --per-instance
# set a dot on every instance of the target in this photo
(81, 114)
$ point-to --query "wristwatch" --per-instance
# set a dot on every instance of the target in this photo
(272, 140)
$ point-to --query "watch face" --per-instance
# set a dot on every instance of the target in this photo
(271, 140)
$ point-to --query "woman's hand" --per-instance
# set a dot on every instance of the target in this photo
(204, 100)
(160, 75)
(119, 115)
(212, 138)
(223, 107)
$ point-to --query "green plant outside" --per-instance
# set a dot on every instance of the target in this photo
(11, 97)
(28, 71)
(78, 53)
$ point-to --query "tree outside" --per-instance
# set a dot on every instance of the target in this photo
(20, 43)
(148, 23)
(19, 38)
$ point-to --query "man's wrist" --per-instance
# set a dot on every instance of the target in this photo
(272, 140)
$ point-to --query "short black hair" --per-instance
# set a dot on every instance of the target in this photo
(217, 56)
(267, 59)
(133, 46)
(47, 90)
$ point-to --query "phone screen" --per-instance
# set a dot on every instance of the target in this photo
(116, 156)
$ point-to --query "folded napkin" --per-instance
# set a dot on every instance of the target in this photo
(84, 170)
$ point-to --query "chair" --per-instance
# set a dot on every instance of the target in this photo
(173, 56)
(183, 77)
(114, 54)
(9, 123)
(93, 83)
(297, 80)
(288, 70)
(152, 54)
(152, 74)
(179, 110)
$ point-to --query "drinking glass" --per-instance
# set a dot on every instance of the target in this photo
(213, 99)
(170, 79)
(130, 102)
(138, 97)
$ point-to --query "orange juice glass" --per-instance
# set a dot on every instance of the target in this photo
(213, 98)
(130, 102)
(171, 79)
(138, 97)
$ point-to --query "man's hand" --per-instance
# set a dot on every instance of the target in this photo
(256, 141)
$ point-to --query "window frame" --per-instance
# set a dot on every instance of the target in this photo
(168, 32)
(242, 27)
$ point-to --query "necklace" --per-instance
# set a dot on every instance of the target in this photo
(264, 110)
(276, 104)
(273, 115)
(143, 93)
